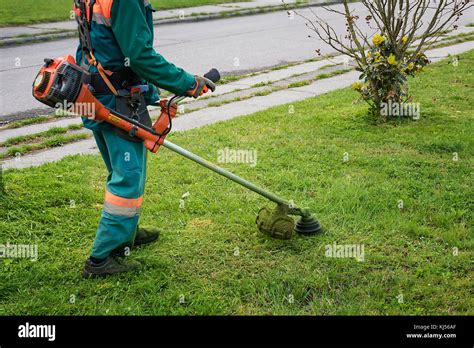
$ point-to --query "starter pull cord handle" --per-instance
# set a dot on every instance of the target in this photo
(212, 75)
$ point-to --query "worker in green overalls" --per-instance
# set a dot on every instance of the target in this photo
(121, 37)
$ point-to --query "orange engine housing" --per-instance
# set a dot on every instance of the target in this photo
(60, 84)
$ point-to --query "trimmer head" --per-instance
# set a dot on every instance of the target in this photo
(308, 225)
(279, 224)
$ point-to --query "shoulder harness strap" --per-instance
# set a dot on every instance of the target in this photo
(84, 20)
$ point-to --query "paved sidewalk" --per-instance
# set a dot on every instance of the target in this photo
(230, 89)
(198, 118)
(276, 75)
(18, 35)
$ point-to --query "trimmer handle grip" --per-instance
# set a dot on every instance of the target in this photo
(213, 75)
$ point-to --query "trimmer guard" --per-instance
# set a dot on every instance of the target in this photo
(276, 223)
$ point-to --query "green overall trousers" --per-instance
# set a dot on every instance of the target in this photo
(122, 38)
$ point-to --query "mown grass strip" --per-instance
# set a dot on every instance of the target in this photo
(54, 141)
(27, 122)
(39, 136)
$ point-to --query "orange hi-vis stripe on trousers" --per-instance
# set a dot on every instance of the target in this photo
(116, 205)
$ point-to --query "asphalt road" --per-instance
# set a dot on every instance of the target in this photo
(231, 45)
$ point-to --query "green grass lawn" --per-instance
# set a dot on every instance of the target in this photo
(409, 252)
(37, 11)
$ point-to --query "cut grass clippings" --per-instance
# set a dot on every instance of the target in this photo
(327, 155)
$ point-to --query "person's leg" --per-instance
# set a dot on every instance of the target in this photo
(102, 145)
(123, 198)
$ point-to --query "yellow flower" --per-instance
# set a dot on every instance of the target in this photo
(392, 60)
(405, 39)
(411, 66)
(369, 55)
(357, 86)
(378, 39)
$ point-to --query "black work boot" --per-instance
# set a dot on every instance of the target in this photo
(109, 267)
(146, 235)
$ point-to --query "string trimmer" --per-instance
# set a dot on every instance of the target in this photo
(61, 82)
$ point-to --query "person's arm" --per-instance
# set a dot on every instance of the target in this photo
(135, 40)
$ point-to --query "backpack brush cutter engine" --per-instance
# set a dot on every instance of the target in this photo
(62, 82)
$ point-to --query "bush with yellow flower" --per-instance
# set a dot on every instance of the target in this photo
(384, 74)
(385, 40)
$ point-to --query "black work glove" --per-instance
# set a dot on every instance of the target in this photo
(201, 85)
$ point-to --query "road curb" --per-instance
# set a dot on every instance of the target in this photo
(18, 41)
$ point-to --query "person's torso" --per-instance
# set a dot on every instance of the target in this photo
(106, 49)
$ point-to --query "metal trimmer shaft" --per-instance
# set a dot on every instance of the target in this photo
(223, 172)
